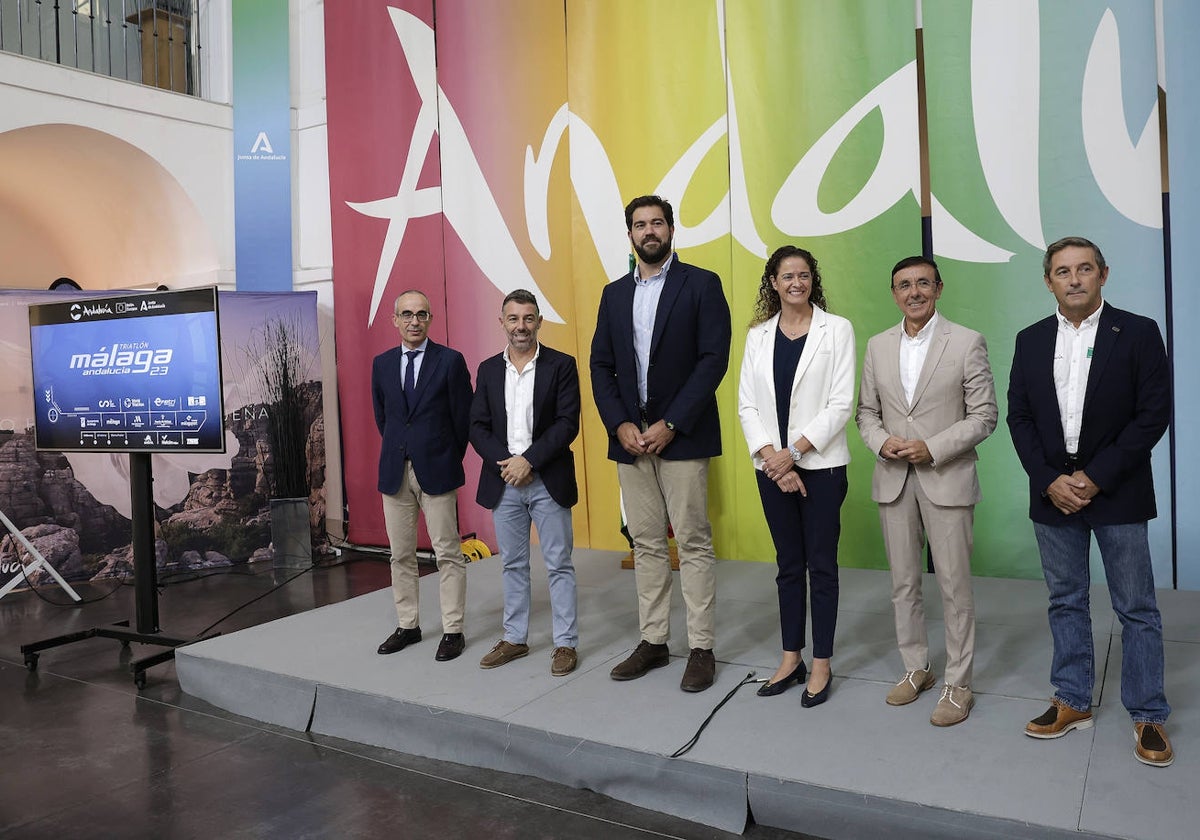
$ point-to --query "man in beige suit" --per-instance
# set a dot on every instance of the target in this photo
(925, 401)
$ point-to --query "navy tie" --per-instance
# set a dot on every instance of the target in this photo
(410, 374)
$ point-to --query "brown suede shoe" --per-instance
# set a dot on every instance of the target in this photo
(503, 653)
(563, 661)
(910, 687)
(700, 671)
(644, 657)
(1153, 748)
(1057, 721)
(953, 706)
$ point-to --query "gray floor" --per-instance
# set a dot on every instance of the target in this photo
(850, 766)
(83, 755)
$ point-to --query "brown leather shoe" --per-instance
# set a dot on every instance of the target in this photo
(644, 657)
(503, 653)
(1153, 748)
(563, 661)
(1057, 721)
(700, 670)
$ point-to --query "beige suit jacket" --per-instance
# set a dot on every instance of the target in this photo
(953, 410)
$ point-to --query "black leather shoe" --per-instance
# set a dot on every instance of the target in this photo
(809, 700)
(450, 647)
(400, 640)
(645, 657)
(700, 672)
(770, 689)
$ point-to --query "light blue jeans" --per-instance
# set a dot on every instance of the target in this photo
(518, 507)
(1125, 552)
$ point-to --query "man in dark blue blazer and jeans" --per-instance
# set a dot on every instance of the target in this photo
(660, 350)
(523, 419)
(422, 397)
(1089, 397)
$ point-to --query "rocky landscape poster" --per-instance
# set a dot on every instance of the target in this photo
(210, 510)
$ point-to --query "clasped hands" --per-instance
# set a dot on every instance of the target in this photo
(516, 471)
(778, 466)
(1072, 493)
(898, 449)
(650, 442)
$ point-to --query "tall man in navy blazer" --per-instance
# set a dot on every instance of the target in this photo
(523, 419)
(660, 350)
(422, 397)
(1088, 398)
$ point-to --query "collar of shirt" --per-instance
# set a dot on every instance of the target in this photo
(658, 275)
(420, 348)
(923, 334)
(532, 362)
(1088, 323)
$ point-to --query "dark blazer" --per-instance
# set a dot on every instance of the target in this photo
(1126, 409)
(555, 425)
(432, 432)
(689, 353)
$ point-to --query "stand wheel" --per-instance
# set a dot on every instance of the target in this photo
(31, 661)
(139, 680)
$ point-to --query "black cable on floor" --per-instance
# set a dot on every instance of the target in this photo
(749, 678)
(122, 581)
(270, 591)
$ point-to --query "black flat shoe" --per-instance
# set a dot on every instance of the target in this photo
(809, 700)
(770, 689)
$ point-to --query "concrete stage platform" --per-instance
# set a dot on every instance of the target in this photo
(842, 770)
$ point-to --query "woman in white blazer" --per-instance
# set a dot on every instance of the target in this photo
(795, 396)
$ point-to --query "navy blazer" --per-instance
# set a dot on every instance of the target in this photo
(1126, 409)
(555, 425)
(689, 354)
(432, 432)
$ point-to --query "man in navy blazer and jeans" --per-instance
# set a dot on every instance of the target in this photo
(1089, 397)
(523, 419)
(660, 350)
(422, 397)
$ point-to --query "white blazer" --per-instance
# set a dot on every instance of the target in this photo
(822, 390)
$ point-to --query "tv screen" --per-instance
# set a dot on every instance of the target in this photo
(135, 373)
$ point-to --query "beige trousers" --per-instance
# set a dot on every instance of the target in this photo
(441, 520)
(906, 523)
(656, 492)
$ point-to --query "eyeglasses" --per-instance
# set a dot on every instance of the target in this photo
(924, 284)
(406, 316)
(803, 276)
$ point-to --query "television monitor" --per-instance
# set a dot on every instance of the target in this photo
(132, 373)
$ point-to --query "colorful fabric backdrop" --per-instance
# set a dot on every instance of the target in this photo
(497, 150)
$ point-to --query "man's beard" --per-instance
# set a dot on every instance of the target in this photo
(654, 252)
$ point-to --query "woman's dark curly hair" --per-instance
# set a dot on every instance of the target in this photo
(768, 299)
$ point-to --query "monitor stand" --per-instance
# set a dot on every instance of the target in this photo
(145, 581)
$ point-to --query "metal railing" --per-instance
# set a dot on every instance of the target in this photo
(154, 42)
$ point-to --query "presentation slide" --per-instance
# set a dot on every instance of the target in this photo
(138, 373)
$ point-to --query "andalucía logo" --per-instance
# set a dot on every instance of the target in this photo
(84, 311)
(262, 149)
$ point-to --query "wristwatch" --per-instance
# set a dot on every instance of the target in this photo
(795, 453)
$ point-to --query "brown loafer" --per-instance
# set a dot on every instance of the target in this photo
(1057, 721)
(563, 661)
(700, 671)
(1153, 748)
(503, 653)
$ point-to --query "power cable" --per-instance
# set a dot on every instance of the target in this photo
(748, 679)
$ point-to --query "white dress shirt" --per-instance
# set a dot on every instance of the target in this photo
(913, 350)
(1072, 363)
(416, 360)
(518, 402)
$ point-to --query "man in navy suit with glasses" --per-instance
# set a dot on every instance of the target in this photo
(421, 392)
